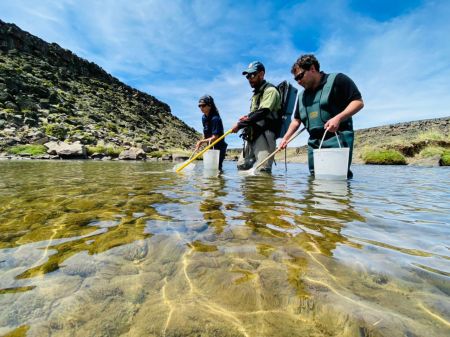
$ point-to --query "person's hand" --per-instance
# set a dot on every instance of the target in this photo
(333, 124)
(197, 146)
(243, 118)
(283, 144)
(235, 128)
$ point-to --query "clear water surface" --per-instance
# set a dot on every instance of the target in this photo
(133, 249)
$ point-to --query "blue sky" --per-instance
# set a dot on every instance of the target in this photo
(397, 52)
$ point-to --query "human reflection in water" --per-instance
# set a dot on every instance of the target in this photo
(270, 228)
(292, 226)
(315, 219)
(263, 212)
(213, 189)
(326, 207)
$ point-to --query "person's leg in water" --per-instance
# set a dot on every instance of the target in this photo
(223, 151)
(247, 157)
(265, 145)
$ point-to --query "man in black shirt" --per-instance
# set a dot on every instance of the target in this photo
(326, 105)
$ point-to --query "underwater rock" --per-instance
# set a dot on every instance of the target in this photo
(82, 270)
(380, 279)
(136, 251)
(104, 292)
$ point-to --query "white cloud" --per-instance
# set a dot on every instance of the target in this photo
(178, 50)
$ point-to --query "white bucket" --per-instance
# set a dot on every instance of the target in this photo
(211, 160)
(331, 163)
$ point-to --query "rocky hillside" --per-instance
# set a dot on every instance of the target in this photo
(49, 93)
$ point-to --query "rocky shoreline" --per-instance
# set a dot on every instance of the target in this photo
(61, 150)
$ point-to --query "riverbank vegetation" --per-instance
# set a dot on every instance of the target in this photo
(27, 150)
(423, 148)
(384, 157)
(110, 151)
(445, 159)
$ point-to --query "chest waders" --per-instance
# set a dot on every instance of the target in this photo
(315, 111)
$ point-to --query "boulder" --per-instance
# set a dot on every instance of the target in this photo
(4, 97)
(10, 105)
(97, 155)
(66, 150)
(38, 137)
(132, 153)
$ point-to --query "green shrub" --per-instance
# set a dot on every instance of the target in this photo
(111, 126)
(9, 111)
(384, 157)
(30, 149)
(445, 159)
(55, 130)
(48, 83)
(157, 154)
(95, 149)
(111, 151)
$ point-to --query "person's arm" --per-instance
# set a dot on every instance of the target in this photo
(205, 141)
(352, 108)
(295, 123)
(269, 99)
(216, 130)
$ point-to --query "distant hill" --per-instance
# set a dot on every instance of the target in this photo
(49, 93)
(402, 131)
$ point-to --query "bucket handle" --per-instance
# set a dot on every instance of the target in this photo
(337, 137)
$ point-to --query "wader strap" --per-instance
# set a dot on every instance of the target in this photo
(327, 89)
(302, 106)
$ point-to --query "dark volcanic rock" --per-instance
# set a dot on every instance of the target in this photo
(49, 90)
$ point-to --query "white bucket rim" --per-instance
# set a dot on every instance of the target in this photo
(334, 149)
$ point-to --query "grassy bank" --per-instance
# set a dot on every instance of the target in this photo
(427, 148)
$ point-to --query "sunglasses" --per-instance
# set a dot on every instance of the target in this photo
(252, 75)
(300, 76)
(201, 105)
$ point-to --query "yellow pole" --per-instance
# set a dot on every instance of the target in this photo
(204, 150)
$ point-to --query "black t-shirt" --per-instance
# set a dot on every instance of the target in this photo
(344, 91)
(212, 125)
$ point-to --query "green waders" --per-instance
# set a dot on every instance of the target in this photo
(314, 113)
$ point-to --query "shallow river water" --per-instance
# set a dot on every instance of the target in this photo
(133, 249)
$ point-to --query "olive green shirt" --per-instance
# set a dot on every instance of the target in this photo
(268, 98)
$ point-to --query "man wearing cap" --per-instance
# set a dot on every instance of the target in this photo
(325, 107)
(258, 126)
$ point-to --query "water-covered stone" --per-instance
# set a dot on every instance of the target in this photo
(136, 251)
